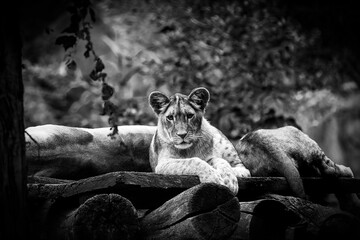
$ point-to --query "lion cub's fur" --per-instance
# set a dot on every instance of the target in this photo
(186, 143)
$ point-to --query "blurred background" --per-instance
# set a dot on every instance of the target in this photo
(266, 64)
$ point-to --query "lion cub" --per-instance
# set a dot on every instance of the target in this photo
(185, 143)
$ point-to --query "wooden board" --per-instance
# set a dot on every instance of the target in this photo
(153, 180)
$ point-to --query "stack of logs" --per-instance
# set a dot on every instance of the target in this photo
(135, 205)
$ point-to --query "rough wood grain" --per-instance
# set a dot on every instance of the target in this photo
(206, 211)
(143, 181)
(144, 190)
(104, 216)
(319, 222)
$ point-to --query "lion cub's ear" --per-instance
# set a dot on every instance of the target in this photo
(200, 97)
(158, 101)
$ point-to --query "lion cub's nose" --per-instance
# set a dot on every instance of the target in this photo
(182, 134)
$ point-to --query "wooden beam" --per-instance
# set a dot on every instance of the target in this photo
(139, 187)
(278, 185)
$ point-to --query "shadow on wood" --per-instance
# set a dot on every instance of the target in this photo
(317, 221)
(263, 219)
(206, 211)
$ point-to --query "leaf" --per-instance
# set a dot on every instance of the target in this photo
(99, 65)
(67, 41)
(114, 129)
(102, 75)
(71, 64)
(108, 108)
(87, 53)
(94, 75)
(107, 91)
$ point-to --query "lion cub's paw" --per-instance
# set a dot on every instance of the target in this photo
(344, 171)
(214, 178)
(226, 172)
(232, 183)
(329, 168)
(229, 182)
(241, 171)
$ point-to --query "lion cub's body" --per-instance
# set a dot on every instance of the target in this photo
(185, 143)
(213, 144)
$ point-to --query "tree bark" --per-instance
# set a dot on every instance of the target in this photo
(12, 143)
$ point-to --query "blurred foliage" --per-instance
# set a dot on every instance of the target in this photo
(260, 67)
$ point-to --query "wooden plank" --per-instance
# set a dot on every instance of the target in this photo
(261, 185)
(144, 190)
(109, 181)
(146, 184)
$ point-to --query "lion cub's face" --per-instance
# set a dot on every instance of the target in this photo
(180, 116)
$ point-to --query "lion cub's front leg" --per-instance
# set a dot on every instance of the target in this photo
(219, 171)
(226, 172)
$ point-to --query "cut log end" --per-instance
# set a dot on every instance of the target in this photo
(104, 216)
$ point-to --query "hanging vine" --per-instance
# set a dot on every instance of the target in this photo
(82, 18)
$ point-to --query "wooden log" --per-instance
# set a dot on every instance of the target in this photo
(313, 185)
(141, 183)
(75, 153)
(263, 219)
(144, 190)
(319, 222)
(46, 180)
(104, 216)
(150, 190)
(206, 211)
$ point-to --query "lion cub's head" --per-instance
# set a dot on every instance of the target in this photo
(180, 116)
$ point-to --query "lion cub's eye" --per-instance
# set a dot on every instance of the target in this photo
(170, 117)
(189, 115)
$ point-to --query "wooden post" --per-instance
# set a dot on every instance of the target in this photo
(103, 217)
(206, 211)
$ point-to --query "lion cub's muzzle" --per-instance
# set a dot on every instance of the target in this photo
(180, 141)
